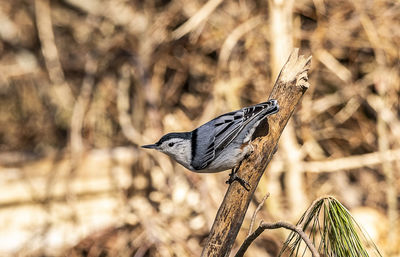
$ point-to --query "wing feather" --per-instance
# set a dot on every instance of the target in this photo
(221, 131)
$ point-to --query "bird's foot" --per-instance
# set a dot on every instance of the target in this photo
(233, 176)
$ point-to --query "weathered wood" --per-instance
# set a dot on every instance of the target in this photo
(290, 86)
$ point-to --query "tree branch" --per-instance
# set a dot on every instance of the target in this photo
(280, 224)
(290, 86)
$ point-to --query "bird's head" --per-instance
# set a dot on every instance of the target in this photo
(176, 145)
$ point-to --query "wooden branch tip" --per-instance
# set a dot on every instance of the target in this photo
(296, 67)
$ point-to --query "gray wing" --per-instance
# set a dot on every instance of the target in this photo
(210, 139)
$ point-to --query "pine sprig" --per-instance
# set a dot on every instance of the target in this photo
(332, 230)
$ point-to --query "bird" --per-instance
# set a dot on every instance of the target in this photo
(219, 144)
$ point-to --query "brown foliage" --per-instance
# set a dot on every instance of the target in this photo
(80, 79)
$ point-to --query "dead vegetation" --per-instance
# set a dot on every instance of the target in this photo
(83, 83)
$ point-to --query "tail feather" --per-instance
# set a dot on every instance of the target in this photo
(266, 108)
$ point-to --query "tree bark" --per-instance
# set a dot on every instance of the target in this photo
(289, 87)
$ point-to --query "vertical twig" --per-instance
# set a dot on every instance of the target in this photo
(253, 219)
(80, 107)
(64, 97)
(123, 106)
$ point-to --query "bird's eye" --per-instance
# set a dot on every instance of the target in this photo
(171, 144)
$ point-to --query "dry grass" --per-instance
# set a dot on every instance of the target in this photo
(83, 83)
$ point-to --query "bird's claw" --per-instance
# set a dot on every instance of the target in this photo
(233, 176)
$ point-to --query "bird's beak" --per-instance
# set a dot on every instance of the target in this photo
(152, 146)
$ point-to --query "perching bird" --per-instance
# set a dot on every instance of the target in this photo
(219, 144)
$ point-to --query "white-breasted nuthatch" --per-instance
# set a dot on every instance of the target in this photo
(219, 144)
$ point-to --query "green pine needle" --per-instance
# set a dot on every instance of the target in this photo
(333, 231)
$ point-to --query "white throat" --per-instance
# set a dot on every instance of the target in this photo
(182, 153)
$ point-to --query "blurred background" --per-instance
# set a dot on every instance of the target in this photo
(84, 83)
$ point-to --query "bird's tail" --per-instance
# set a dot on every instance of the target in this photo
(262, 110)
(271, 107)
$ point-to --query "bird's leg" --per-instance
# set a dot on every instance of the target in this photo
(233, 176)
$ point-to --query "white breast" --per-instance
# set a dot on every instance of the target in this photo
(227, 159)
